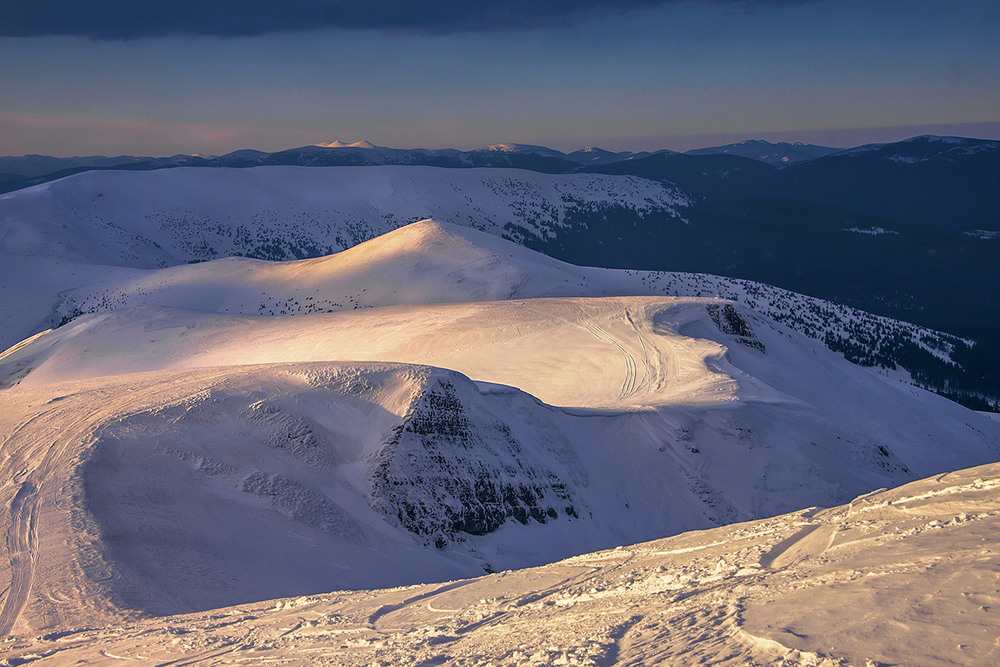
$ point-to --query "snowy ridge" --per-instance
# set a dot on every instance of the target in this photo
(151, 219)
(428, 262)
(864, 338)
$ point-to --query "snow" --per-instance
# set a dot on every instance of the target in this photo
(872, 231)
(905, 576)
(445, 404)
(337, 143)
(608, 420)
(983, 234)
(425, 262)
(158, 218)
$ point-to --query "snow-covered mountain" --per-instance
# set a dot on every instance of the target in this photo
(425, 262)
(923, 149)
(433, 403)
(488, 420)
(147, 219)
(169, 217)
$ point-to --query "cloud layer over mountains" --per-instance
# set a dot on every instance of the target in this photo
(124, 19)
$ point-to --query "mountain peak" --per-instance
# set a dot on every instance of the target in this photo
(337, 143)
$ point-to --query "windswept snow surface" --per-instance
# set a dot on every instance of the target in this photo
(901, 577)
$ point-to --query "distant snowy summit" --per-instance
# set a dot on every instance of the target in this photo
(337, 143)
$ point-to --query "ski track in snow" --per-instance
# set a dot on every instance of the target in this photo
(628, 384)
(22, 543)
(36, 448)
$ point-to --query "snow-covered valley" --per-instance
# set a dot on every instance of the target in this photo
(438, 403)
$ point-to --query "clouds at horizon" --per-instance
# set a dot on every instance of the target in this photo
(131, 19)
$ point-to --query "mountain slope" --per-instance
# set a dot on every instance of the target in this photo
(943, 182)
(160, 218)
(729, 594)
(185, 490)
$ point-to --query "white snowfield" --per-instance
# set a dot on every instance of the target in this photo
(446, 404)
(901, 577)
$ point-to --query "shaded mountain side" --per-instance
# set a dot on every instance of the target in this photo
(937, 278)
(776, 154)
(946, 182)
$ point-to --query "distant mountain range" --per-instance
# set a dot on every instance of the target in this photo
(340, 153)
(20, 171)
(948, 182)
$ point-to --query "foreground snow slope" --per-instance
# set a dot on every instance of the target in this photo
(906, 576)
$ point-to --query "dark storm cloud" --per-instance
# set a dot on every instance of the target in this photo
(132, 19)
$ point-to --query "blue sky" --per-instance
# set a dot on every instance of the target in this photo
(162, 78)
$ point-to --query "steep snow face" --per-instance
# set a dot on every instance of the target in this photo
(173, 216)
(452, 468)
(230, 493)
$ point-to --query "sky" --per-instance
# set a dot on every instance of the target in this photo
(160, 77)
